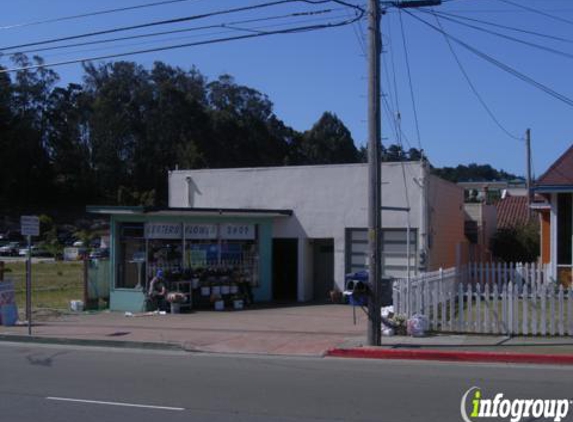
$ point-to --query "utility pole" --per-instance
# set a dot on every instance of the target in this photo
(374, 174)
(528, 154)
(374, 167)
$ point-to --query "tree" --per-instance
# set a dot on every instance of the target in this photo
(245, 129)
(328, 142)
(25, 160)
(517, 244)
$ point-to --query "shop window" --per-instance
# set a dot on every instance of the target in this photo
(132, 262)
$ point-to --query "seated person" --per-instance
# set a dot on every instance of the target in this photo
(157, 292)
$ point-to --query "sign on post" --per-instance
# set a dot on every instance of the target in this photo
(30, 225)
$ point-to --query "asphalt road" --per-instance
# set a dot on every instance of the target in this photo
(57, 383)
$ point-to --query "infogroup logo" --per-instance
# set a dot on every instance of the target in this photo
(513, 409)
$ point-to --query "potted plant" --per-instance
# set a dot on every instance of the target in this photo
(238, 302)
(175, 300)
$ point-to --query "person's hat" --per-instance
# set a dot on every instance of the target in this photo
(159, 273)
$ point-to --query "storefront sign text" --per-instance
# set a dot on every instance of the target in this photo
(238, 231)
(200, 231)
(163, 231)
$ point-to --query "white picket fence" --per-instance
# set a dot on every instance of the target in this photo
(409, 296)
(489, 299)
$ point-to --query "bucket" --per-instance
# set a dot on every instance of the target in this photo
(205, 291)
(9, 314)
(175, 308)
(238, 303)
(219, 305)
(225, 289)
(195, 283)
(76, 305)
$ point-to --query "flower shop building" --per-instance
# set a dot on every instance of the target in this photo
(291, 233)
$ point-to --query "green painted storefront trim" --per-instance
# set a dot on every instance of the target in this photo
(133, 299)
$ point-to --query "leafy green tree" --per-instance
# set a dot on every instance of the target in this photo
(328, 142)
(517, 244)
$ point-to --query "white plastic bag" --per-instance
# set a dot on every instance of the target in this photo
(418, 325)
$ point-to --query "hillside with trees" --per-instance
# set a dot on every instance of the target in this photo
(112, 138)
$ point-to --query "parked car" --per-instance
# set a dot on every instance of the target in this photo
(10, 249)
(99, 253)
(35, 250)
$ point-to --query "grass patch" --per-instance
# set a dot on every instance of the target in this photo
(54, 284)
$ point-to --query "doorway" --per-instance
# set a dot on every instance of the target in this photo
(323, 268)
(285, 270)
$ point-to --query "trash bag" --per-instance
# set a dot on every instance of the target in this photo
(418, 325)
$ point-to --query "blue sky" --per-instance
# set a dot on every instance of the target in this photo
(309, 73)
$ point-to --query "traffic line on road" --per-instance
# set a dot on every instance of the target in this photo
(111, 403)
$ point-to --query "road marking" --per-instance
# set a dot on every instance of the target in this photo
(111, 403)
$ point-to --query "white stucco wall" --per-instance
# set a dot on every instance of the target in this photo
(325, 200)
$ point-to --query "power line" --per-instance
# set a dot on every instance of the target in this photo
(472, 86)
(537, 11)
(89, 14)
(179, 46)
(176, 20)
(499, 64)
(177, 31)
(509, 28)
(507, 37)
(410, 81)
(230, 29)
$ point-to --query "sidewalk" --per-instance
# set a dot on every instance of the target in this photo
(313, 330)
(291, 330)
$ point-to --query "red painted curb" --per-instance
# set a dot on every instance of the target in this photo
(457, 356)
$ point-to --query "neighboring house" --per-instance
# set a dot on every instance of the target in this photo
(479, 228)
(490, 192)
(513, 211)
(491, 206)
(556, 185)
(295, 230)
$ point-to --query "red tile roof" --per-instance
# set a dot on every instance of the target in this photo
(560, 173)
(512, 211)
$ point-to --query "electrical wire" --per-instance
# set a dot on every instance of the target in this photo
(537, 11)
(507, 37)
(499, 64)
(472, 86)
(410, 81)
(89, 14)
(186, 45)
(509, 28)
(177, 31)
(231, 29)
(178, 20)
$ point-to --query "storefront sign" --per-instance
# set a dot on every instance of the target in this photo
(163, 230)
(238, 231)
(200, 231)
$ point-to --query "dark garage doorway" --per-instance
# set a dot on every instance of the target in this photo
(323, 268)
(285, 270)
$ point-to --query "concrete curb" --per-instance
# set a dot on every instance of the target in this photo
(452, 356)
(122, 344)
